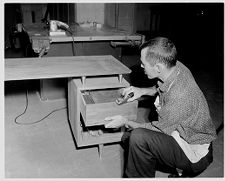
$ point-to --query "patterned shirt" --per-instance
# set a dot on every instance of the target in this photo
(183, 108)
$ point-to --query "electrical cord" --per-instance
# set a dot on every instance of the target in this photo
(27, 103)
(73, 46)
(71, 32)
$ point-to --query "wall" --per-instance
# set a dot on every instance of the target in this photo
(12, 17)
(38, 9)
(126, 16)
(110, 14)
(90, 12)
(142, 17)
(121, 16)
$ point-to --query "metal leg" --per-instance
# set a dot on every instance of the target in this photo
(83, 78)
(120, 78)
(100, 150)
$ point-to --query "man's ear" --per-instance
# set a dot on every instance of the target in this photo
(158, 67)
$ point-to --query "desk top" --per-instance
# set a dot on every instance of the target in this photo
(59, 67)
(37, 31)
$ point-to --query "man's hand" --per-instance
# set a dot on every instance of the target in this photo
(115, 121)
(137, 93)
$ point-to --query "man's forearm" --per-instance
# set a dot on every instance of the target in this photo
(151, 91)
(134, 125)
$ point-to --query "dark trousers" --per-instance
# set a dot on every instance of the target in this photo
(149, 150)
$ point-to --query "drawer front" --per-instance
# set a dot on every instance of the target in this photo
(95, 113)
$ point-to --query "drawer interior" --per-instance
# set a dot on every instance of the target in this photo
(101, 96)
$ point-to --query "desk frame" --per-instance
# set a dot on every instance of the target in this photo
(75, 69)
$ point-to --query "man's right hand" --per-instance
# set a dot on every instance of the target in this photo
(137, 93)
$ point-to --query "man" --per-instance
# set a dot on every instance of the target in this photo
(181, 138)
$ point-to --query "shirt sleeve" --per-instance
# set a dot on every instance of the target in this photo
(150, 126)
(175, 109)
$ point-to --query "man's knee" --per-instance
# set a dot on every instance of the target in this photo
(142, 136)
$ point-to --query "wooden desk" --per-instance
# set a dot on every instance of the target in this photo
(88, 41)
(85, 73)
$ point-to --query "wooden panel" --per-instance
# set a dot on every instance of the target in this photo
(82, 106)
(59, 67)
(74, 111)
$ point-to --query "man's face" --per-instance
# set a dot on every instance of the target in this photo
(149, 70)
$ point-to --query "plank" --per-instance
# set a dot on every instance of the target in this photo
(62, 67)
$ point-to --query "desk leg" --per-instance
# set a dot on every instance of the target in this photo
(100, 150)
(53, 89)
(42, 97)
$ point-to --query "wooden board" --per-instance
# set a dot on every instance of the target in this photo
(74, 111)
(62, 67)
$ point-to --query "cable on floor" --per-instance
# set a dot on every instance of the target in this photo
(27, 103)
(73, 48)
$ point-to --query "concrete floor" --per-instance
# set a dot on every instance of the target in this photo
(46, 149)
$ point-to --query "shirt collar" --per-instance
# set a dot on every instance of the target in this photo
(165, 86)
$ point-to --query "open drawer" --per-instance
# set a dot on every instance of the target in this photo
(96, 105)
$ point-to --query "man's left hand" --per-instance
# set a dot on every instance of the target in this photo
(115, 121)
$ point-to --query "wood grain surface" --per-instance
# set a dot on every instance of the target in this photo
(62, 67)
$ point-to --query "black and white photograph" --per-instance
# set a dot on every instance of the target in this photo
(104, 89)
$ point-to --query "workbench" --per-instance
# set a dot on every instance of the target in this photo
(94, 83)
(87, 41)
